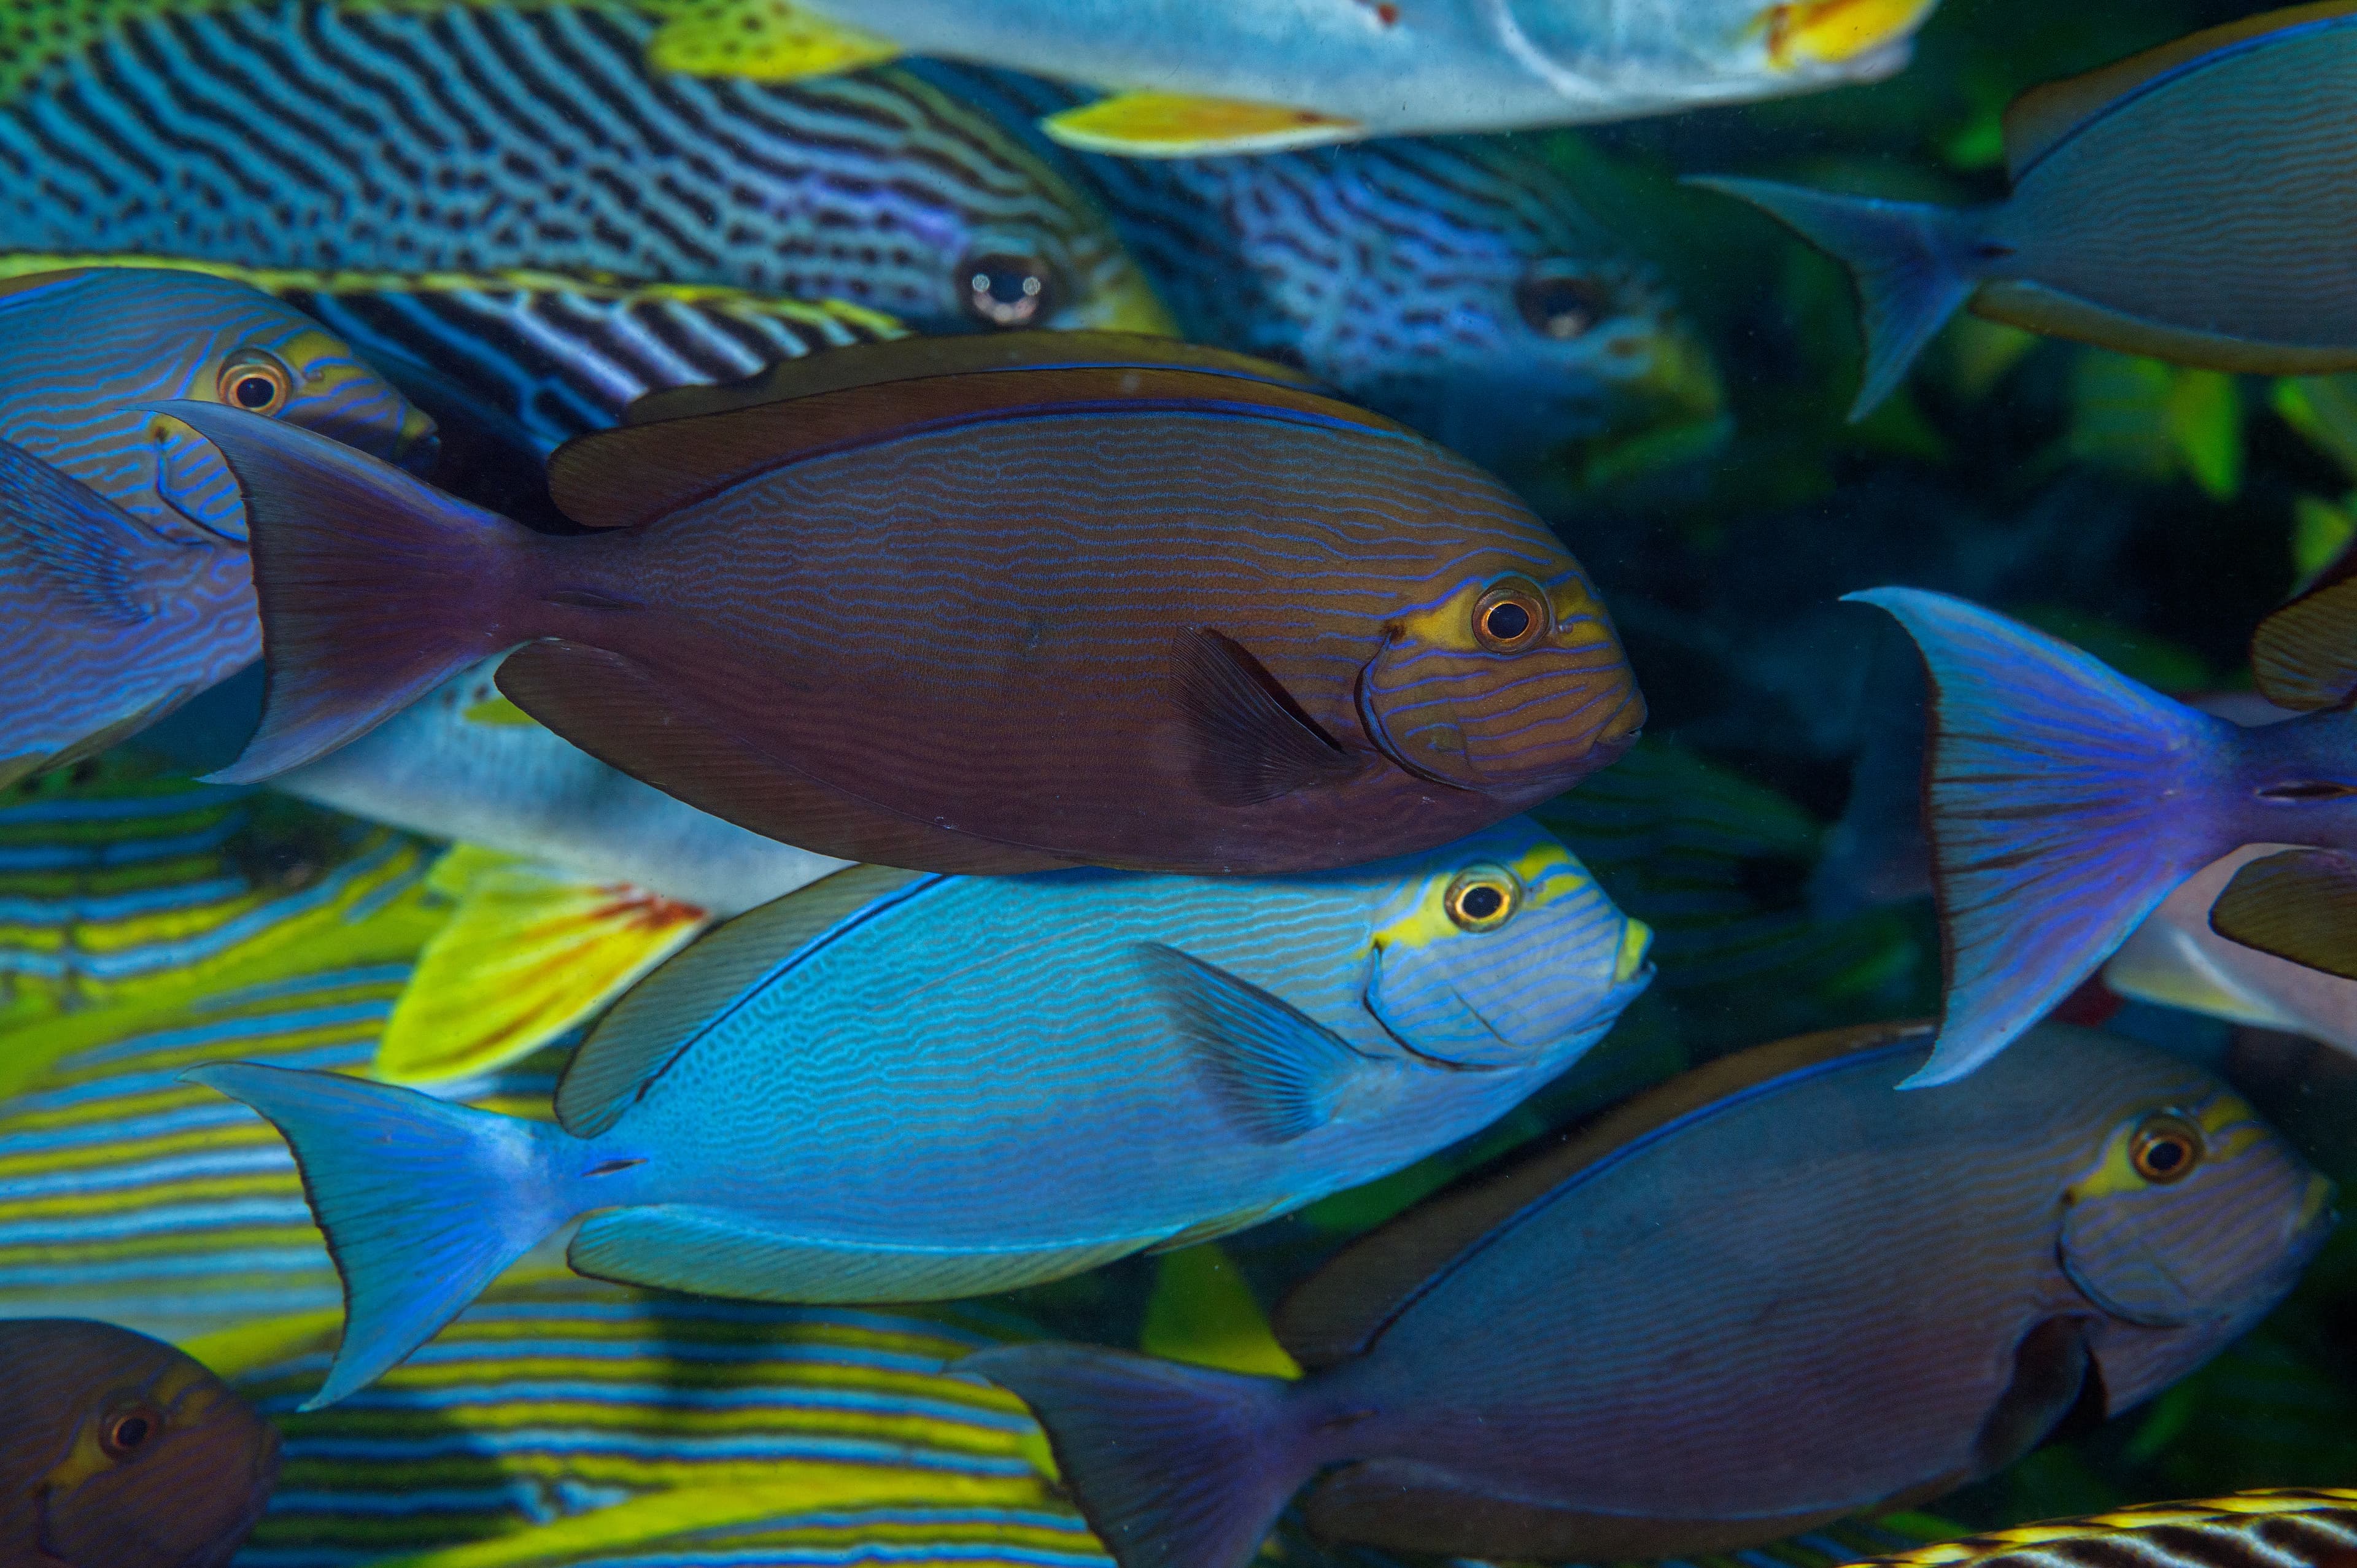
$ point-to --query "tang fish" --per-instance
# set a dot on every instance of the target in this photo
(120, 1452)
(897, 1087)
(1231, 658)
(2315, 1527)
(1865, 1296)
(2186, 203)
(573, 158)
(123, 583)
(1461, 287)
(2066, 802)
(1267, 75)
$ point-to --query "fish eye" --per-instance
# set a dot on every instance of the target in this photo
(1482, 899)
(2165, 1149)
(1557, 305)
(1007, 290)
(1510, 616)
(126, 1431)
(256, 383)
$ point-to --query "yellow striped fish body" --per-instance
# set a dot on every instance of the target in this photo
(553, 1400)
(2312, 1528)
(481, 138)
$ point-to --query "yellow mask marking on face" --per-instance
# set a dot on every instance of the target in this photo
(1636, 941)
(1547, 871)
(1448, 626)
(1827, 32)
(2228, 1126)
(497, 711)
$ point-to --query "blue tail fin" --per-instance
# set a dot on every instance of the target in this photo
(1912, 265)
(2065, 802)
(1174, 1467)
(424, 1203)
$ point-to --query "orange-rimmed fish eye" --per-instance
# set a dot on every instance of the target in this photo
(1003, 289)
(1511, 616)
(1482, 899)
(1558, 304)
(2165, 1148)
(123, 1433)
(255, 381)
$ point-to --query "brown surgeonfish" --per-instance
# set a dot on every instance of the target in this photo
(982, 604)
(117, 1451)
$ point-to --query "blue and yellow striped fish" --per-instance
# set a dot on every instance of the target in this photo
(484, 138)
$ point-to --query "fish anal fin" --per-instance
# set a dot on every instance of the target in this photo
(2304, 655)
(613, 707)
(913, 359)
(2300, 905)
(524, 957)
(1338, 1311)
(1178, 126)
(2044, 117)
(687, 1248)
(1278, 1073)
(633, 475)
(1409, 1505)
(1252, 743)
(2034, 307)
(665, 1013)
(762, 41)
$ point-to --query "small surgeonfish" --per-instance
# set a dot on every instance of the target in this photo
(2316, 1526)
(126, 588)
(2188, 203)
(2065, 802)
(1238, 76)
(1038, 600)
(117, 1451)
(561, 152)
(895, 1087)
(1460, 286)
(1862, 1296)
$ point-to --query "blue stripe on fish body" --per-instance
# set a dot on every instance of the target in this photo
(979, 1029)
(484, 139)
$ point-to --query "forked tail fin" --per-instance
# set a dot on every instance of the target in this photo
(1174, 1467)
(375, 587)
(2064, 801)
(1912, 263)
(424, 1203)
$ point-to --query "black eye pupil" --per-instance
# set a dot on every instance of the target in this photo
(2166, 1155)
(1482, 903)
(255, 392)
(131, 1432)
(1508, 622)
(1559, 307)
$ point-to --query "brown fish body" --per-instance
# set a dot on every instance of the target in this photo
(1158, 618)
(117, 1451)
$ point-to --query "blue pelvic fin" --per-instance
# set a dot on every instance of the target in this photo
(74, 539)
(2051, 844)
(1911, 261)
(1174, 1467)
(422, 1203)
(686, 1248)
(1278, 1073)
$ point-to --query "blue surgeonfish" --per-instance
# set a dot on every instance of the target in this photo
(892, 1086)
(1766, 1294)
(2188, 203)
(125, 584)
(2065, 803)
(1263, 75)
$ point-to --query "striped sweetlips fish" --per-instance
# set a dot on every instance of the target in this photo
(475, 139)
(126, 587)
(891, 1086)
(977, 604)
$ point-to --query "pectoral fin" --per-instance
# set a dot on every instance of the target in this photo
(1278, 1073)
(1173, 125)
(2300, 905)
(762, 41)
(2304, 655)
(1251, 742)
(525, 957)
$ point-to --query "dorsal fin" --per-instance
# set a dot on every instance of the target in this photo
(1340, 1310)
(2044, 116)
(912, 359)
(670, 1009)
(2304, 655)
(618, 479)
